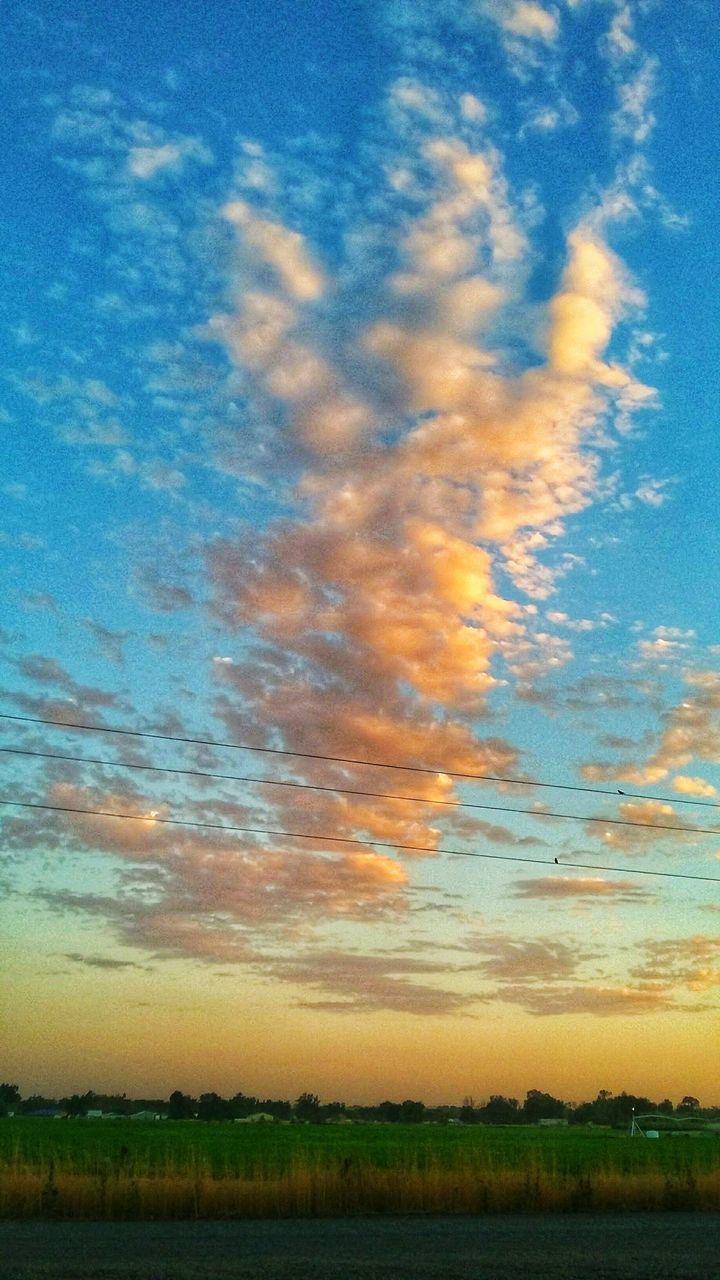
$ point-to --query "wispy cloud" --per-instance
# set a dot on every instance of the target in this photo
(597, 1001)
(48, 672)
(690, 729)
(109, 963)
(692, 962)
(590, 888)
(634, 73)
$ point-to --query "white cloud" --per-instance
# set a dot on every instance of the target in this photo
(145, 162)
(652, 493)
(472, 108)
(283, 250)
(633, 118)
(635, 75)
(533, 21)
(550, 117)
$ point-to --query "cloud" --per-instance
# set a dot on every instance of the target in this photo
(690, 729)
(512, 959)
(348, 722)
(652, 493)
(196, 916)
(693, 786)
(163, 596)
(591, 888)
(692, 962)
(374, 621)
(47, 671)
(545, 977)
(16, 490)
(368, 984)
(634, 73)
(24, 540)
(428, 428)
(598, 1001)
(633, 118)
(40, 600)
(607, 692)
(103, 962)
(195, 877)
(594, 292)
(147, 161)
(282, 249)
(651, 816)
(524, 18)
(561, 619)
(547, 118)
(110, 643)
(529, 33)
(96, 122)
(618, 42)
(667, 643)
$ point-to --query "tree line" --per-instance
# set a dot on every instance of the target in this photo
(606, 1109)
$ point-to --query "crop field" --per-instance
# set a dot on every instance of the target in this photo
(143, 1170)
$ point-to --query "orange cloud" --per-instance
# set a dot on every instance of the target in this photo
(432, 466)
(693, 963)
(656, 814)
(693, 786)
(593, 293)
(583, 887)
(379, 603)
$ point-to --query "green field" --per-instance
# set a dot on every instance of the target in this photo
(123, 1168)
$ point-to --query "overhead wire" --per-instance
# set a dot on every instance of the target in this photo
(352, 760)
(624, 822)
(376, 795)
(335, 839)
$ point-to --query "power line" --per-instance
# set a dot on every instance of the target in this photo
(348, 791)
(304, 835)
(371, 764)
(234, 777)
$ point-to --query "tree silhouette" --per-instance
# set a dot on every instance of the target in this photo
(307, 1107)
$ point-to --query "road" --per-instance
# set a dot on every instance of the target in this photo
(679, 1246)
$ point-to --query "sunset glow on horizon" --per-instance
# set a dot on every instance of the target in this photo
(359, 406)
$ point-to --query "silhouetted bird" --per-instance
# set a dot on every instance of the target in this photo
(620, 793)
(557, 862)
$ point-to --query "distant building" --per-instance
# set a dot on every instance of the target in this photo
(257, 1117)
(146, 1115)
(93, 1115)
(560, 1123)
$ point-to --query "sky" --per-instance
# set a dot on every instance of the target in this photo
(358, 404)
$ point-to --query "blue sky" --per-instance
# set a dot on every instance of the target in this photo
(358, 399)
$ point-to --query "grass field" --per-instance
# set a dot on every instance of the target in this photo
(134, 1169)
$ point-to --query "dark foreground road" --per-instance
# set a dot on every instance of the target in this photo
(679, 1246)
